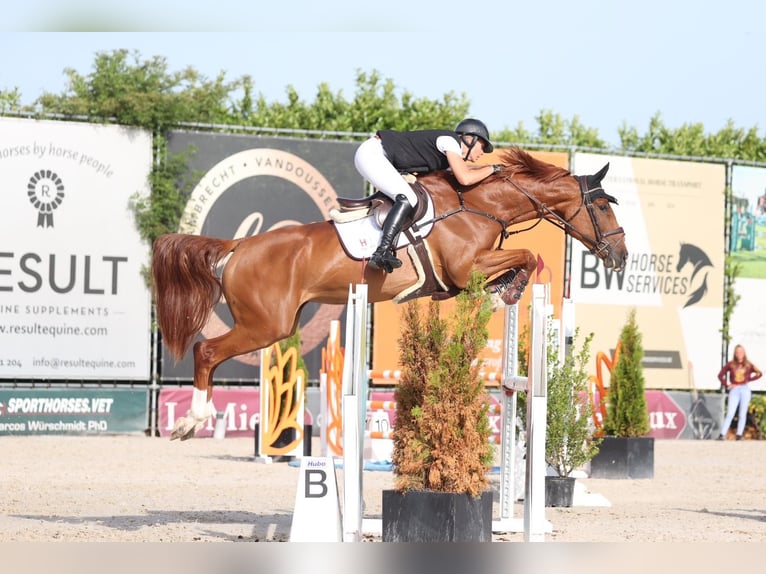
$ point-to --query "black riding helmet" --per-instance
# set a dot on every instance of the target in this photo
(474, 127)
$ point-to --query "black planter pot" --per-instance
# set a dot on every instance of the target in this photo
(624, 457)
(428, 516)
(559, 491)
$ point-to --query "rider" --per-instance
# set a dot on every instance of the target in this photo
(384, 157)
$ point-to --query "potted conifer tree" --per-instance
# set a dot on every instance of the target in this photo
(569, 441)
(626, 451)
(441, 449)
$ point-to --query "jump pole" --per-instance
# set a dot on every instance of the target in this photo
(511, 383)
(533, 524)
(537, 402)
(354, 410)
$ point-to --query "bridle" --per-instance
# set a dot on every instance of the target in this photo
(598, 244)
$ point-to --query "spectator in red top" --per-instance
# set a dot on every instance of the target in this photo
(739, 371)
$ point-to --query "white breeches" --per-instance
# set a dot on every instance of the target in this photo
(371, 161)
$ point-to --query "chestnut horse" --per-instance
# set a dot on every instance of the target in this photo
(269, 277)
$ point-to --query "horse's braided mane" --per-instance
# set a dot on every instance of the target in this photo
(521, 163)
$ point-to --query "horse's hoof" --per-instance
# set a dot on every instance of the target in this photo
(510, 286)
(183, 429)
(188, 435)
(513, 293)
(496, 301)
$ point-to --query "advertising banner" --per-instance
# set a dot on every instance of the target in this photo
(73, 301)
(747, 247)
(545, 240)
(73, 411)
(673, 216)
(251, 185)
(683, 414)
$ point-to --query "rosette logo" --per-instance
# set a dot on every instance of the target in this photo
(46, 192)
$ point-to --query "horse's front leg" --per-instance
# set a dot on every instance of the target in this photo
(509, 271)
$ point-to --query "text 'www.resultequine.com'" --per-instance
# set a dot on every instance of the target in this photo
(53, 330)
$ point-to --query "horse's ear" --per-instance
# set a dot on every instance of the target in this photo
(601, 173)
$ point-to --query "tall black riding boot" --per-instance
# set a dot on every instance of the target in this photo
(384, 257)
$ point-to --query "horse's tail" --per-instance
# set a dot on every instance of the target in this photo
(185, 285)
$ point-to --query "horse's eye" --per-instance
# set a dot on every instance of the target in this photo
(604, 206)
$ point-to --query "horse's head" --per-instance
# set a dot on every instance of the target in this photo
(577, 204)
(591, 220)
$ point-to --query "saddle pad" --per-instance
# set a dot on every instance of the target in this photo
(360, 238)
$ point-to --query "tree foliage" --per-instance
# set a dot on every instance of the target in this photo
(692, 140)
(553, 130)
(123, 88)
(10, 100)
(569, 440)
(375, 105)
(441, 434)
(627, 411)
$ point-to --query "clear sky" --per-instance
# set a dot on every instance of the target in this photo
(607, 62)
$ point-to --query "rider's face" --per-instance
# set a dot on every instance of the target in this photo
(476, 151)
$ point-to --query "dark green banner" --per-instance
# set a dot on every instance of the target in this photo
(73, 411)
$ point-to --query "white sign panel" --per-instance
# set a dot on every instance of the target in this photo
(73, 301)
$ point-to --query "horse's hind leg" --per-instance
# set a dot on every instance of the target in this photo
(208, 354)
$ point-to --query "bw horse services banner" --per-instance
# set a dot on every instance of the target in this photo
(673, 216)
(73, 303)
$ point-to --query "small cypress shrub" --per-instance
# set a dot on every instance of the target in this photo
(441, 434)
(569, 441)
(627, 412)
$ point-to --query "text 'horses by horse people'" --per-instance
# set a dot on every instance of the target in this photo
(313, 266)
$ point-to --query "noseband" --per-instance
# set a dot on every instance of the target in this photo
(597, 245)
